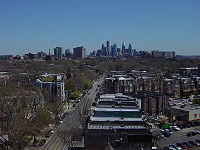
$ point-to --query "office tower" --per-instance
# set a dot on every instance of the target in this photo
(79, 52)
(135, 52)
(67, 53)
(113, 50)
(123, 49)
(108, 47)
(103, 50)
(98, 53)
(130, 48)
(119, 52)
(58, 54)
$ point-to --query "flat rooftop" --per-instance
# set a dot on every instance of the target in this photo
(113, 127)
(115, 109)
(114, 119)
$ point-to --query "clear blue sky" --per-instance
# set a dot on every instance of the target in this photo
(37, 25)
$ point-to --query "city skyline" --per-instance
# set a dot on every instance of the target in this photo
(37, 26)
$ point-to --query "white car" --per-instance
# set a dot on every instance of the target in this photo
(175, 128)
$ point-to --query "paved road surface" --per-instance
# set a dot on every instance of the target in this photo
(68, 124)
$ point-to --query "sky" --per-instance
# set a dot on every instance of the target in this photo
(39, 25)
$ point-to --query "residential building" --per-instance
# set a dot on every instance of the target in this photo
(152, 104)
(53, 87)
(119, 84)
(192, 71)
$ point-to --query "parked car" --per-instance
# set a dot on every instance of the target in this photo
(182, 145)
(194, 143)
(171, 148)
(193, 124)
(198, 141)
(187, 125)
(175, 128)
(166, 134)
(188, 144)
(191, 133)
(160, 135)
(175, 146)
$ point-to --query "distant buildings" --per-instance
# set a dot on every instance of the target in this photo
(163, 54)
(58, 53)
(112, 51)
(79, 52)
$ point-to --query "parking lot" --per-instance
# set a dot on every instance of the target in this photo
(179, 136)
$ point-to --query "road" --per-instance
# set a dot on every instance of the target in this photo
(57, 140)
(179, 136)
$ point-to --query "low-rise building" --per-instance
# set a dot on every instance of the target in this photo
(116, 121)
(184, 112)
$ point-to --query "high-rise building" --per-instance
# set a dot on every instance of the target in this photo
(67, 53)
(98, 53)
(114, 50)
(58, 54)
(103, 50)
(123, 49)
(79, 52)
(108, 47)
(129, 48)
(119, 53)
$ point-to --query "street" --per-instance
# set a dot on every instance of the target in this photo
(56, 142)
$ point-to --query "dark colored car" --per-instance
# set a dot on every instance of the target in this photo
(197, 123)
(189, 133)
(193, 124)
(187, 125)
(197, 140)
(166, 134)
(194, 143)
(182, 145)
(188, 144)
